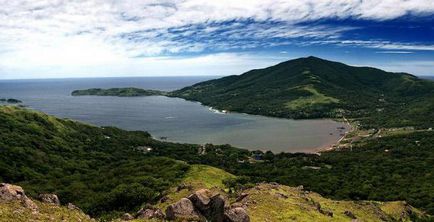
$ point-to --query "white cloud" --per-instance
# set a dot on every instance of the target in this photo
(215, 64)
(394, 52)
(65, 33)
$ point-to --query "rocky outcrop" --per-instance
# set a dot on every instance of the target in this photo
(9, 192)
(183, 210)
(237, 214)
(49, 198)
(210, 205)
(205, 205)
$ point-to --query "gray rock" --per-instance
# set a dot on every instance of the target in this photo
(9, 192)
(49, 198)
(183, 210)
(209, 204)
(237, 214)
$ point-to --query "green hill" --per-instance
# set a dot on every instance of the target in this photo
(315, 88)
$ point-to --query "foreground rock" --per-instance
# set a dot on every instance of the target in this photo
(210, 205)
(9, 192)
(205, 205)
(183, 210)
(237, 214)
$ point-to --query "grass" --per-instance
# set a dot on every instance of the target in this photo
(264, 204)
(15, 211)
(206, 177)
(315, 98)
(265, 201)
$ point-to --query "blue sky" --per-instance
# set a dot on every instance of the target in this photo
(97, 38)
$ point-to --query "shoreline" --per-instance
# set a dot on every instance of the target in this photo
(332, 146)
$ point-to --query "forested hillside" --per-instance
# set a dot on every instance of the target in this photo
(107, 171)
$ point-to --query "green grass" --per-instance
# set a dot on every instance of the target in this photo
(198, 177)
(206, 176)
(15, 211)
(265, 205)
(316, 98)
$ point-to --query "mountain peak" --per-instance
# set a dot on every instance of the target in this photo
(311, 87)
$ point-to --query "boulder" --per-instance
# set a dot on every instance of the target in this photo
(9, 192)
(211, 205)
(183, 210)
(150, 213)
(237, 214)
(201, 198)
(49, 198)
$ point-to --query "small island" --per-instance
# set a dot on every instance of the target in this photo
(121, 92)
(10, 100)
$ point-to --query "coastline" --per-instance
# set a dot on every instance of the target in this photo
(333, 146)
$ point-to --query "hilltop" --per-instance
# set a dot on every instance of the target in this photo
(316, 88)
(275, 202)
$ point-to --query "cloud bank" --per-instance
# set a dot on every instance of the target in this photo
(91, 33)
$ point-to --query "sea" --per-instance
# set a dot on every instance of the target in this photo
(171, 119)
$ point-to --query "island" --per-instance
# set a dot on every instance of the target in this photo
(10, 100)
(121, 92)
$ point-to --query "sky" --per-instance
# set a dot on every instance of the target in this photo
(108, 38)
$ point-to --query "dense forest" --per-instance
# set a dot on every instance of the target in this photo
(315, 88)
(107, 170)
(98, 169)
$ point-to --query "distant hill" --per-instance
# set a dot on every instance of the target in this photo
(316, 88)
(121, 92)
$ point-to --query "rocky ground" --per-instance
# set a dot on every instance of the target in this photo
(202, 198)
(16, 206)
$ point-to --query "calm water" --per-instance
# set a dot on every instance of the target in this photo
(176, 119)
